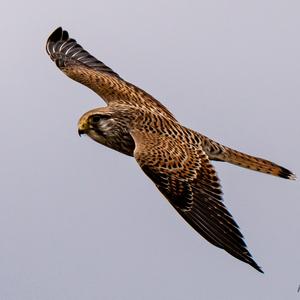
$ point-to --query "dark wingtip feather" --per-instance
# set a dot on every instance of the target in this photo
(253, 264)
(285, 173)
(246, 257)
(56, 35)
(66, 51)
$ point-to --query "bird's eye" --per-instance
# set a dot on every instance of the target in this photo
(95, 119)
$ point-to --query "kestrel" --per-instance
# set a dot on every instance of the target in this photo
(177, 159)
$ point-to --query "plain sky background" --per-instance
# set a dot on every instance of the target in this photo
(80, 221)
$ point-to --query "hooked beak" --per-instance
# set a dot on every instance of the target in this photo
(81, 131)
(82, 127)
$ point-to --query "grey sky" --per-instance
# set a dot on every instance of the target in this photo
(79, 221)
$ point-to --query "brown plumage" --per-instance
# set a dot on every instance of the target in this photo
(176, 159)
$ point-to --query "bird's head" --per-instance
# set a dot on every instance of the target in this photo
(98, 124)
(108, 128)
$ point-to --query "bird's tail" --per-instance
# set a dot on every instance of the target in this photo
(216, 151)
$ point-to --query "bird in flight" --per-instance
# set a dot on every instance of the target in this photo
(177, 159)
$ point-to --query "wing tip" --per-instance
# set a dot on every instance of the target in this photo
(253, 264)
(64, 51)
(246, 257)
(57, 35)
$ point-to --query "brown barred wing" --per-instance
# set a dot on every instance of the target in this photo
(187, 179)
(81, 66)
(84, 68)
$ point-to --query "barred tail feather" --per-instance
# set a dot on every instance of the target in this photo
(216, 151)
(256, 164)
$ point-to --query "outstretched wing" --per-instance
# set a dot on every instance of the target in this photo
(187, 179)
(81, 66)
